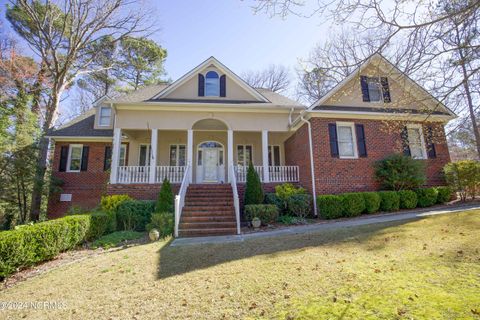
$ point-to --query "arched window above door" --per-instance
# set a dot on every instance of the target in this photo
(210, 144)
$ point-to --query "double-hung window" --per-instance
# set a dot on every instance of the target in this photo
(104, 116)
(347, 146)
(375, 91)
(416, 142)
(244, 155)
(145, 155)
(74, 163)
(273, 155)
(177, 155)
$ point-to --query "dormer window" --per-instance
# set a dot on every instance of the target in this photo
(104, 116)
(375, 89)
(212, 84)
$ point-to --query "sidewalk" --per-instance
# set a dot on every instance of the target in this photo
(359, 221)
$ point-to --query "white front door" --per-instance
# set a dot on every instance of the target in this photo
(210, 165)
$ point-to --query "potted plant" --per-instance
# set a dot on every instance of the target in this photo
(256, 223)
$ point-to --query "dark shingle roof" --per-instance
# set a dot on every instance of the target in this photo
(81, 128)
(379, 109)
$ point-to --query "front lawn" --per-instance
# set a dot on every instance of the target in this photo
(425, 269)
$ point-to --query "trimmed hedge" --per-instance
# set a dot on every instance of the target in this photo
(353, 204)
(299, 205)
(444, 194)
(372, 201)
(134, 214)
(109, 205)
(427, 197)
(330, 206)
(99, 225)
(272, 198)
(408, 199)
(390, 201)
(42, 241)
(267, 213)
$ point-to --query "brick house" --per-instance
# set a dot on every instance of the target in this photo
(203, 130)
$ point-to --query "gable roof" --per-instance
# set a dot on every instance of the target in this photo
(205, 64)
(378, 59)
(83, 126)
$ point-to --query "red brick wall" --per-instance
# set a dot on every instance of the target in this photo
(334, 175)
(86, 187)
(139, 191)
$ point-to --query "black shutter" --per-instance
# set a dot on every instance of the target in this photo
(201, 85)
(332, 131)
(362, 146)
(63, 159)
(386, 90)
(84, 165)
(223, 86)
(364, 84)
(107, 161)
(432, 153)
(405, 144)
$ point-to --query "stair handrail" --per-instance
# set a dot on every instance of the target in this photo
(180, 198)
(236, 202)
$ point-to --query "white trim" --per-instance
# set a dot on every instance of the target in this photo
(354, 138)
(69, 159)
(80, 138)
(153, 155)
(265, 164)
(100, 116)
(422, 140)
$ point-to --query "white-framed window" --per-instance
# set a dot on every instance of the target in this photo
(123, 155)
(244, 154)
(177, 154)
(145, 155)
(416, 142)
(74, 163)
(212, 84)
(104, 116)
(375, 91)
(273, 155)
(347, 141)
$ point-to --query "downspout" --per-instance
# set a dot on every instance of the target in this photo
(290, 117)
(312, 169)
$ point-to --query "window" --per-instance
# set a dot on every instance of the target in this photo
(416, 142)
(75, 158)
(244, 155)
(123, 154)
(104, 116)
(347, 147)
(212, 84)
(273, 155)
(375, 89)
(145, 155)
(177, 155)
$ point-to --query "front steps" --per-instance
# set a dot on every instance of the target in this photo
(208, 211)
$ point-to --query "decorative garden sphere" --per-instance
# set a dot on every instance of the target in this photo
(154, 235)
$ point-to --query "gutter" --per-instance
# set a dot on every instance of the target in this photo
(312, 169)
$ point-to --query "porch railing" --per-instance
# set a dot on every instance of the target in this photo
(276, 173)
(180, 198)
(236, 201)
(133, 174)
(174, 174)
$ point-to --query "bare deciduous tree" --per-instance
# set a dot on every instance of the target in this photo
(275, 78)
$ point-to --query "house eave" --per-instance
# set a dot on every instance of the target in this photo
(181, 106)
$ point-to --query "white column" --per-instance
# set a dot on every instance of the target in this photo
(153, 157)
(230, 152)
(117, 142)
(266, 174)
(190, 154)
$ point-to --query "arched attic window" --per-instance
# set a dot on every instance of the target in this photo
(212, 84)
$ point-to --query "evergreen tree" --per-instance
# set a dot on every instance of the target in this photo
(165, 201)
(253, 188)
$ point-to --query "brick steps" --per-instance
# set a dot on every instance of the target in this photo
(208, 211)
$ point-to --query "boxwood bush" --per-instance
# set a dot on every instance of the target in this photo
(134, 214)
(272, 198)
(353, 204)
(267, 213)
(330, 206)
(444, 194)
(390, 201)
(32, 244)
(299, 205)
(408, 199)
(372, 201)
(427, 197)
(109, 205)
(99, 225)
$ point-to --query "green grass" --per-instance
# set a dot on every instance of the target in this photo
(116, 238)
(424, 269)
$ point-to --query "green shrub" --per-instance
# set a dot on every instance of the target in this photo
(330, 206)
(285, 191)
(372, 201)
(299, 205)
(116, 238)
(99, 224)
(285, 219)
(463, 177)
(427, 197)
(109, 205)
(134, 214)
(408, 199)
(272, 198)
(444, 194)
(399, 172)
(163, 222)
(165, 201)
(353, 204)
(253, 187)
(390, 201)
(32, 244)
(267, 213)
